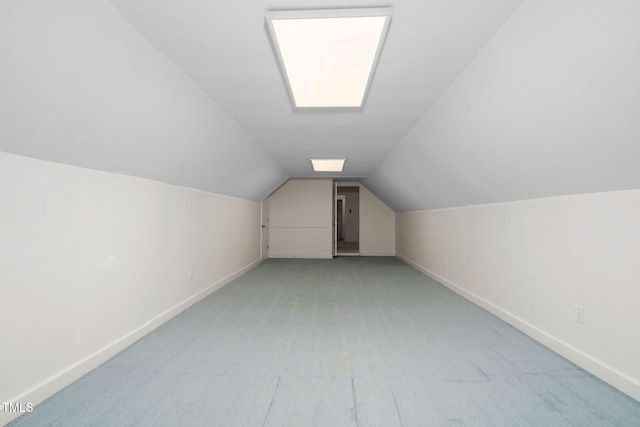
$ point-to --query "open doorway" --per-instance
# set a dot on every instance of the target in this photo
(347, 215)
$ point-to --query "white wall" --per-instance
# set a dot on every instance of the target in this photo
(300, 220)
(90, 261)
(377, 226)
(530, 262)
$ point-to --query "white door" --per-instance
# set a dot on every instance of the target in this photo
(264, 236)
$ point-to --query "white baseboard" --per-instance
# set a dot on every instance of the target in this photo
(377, 254)
(63, 378)
(301, 255)
(601, 370)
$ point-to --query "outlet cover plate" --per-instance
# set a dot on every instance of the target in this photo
(578, 314)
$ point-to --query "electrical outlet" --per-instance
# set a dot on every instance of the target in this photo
(578, 314)
(191, 274)
(442, 262)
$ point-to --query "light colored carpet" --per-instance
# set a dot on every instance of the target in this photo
(345, 342)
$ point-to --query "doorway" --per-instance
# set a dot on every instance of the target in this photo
(347, 220)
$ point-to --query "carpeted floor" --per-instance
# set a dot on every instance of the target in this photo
(345, 342)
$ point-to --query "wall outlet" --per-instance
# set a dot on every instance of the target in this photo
(191, 274)
(578, 314)
(443, 262)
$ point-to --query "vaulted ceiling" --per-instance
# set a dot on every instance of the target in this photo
(225, 48)
(472, 102)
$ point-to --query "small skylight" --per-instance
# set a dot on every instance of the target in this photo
(328, 56)
(328, 165)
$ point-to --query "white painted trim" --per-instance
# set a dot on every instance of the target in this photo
(377, 254)
(302, 255)
(298, 226)
(601, 370)
(60, 380)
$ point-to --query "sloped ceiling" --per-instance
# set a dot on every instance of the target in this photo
(472, 102)
(190, 92)
(225, 48)
(79, 85)
(550, 107)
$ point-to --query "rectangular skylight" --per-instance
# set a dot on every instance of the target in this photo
(328, 165)
(328, 56)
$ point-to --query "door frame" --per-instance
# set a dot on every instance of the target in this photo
(337, 184)
(264, 229)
